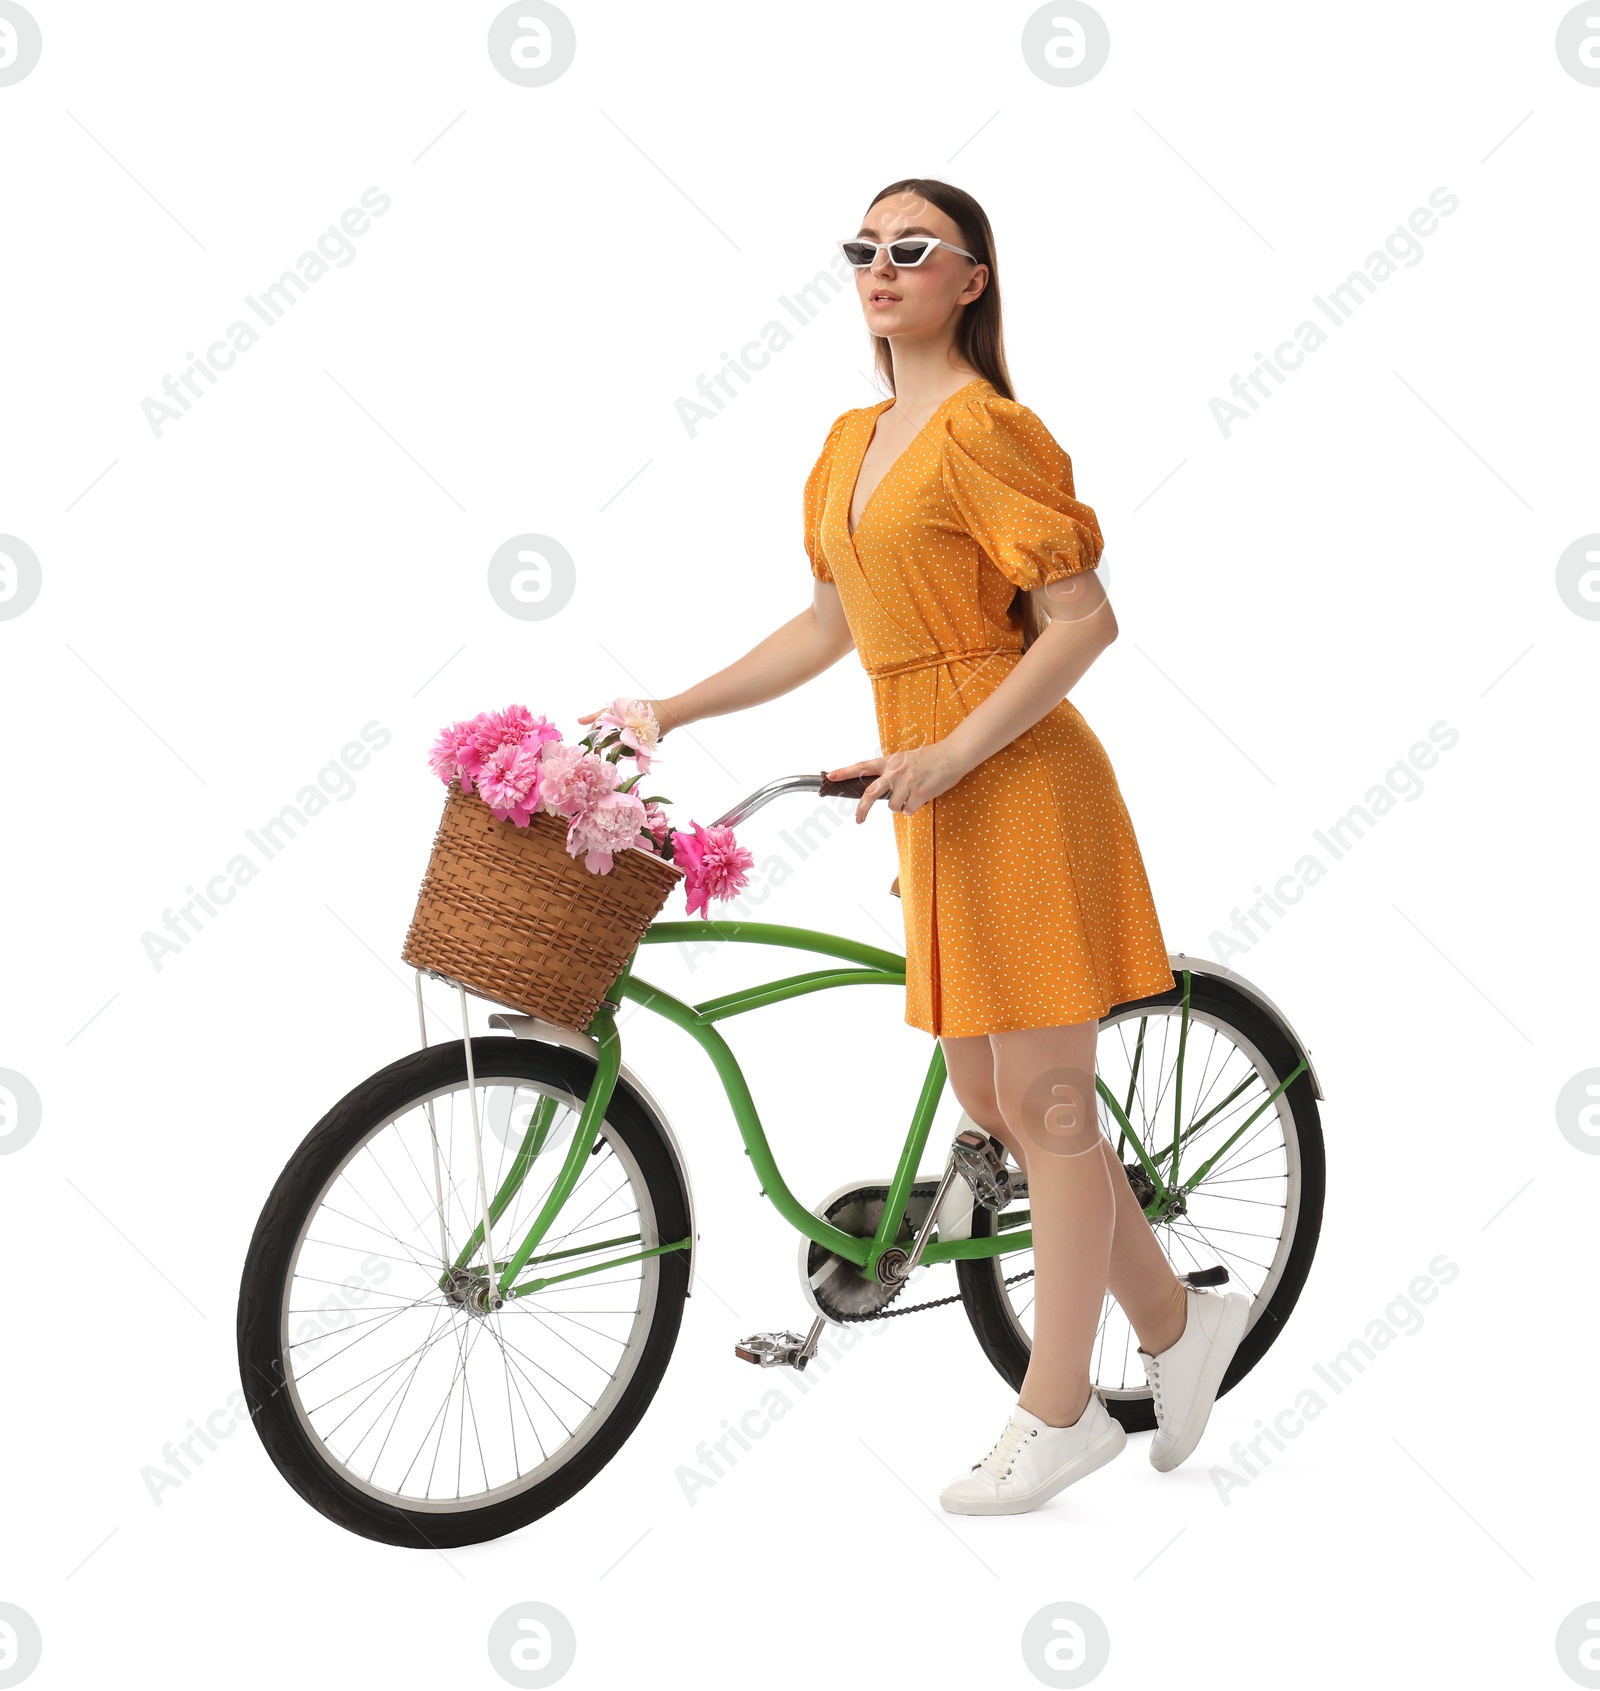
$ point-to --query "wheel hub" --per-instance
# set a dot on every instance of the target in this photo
(472, 1291)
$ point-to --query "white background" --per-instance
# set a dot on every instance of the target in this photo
(225, 605)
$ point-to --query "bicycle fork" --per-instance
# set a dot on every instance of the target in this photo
(472, 1291)
(482, 1289)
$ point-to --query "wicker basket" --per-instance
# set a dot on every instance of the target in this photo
(511, 915)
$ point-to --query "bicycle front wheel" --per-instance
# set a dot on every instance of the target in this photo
(387, 1391)
(1254, 1212)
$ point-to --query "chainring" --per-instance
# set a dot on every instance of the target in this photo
(835, 1288)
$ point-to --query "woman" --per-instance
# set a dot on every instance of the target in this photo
(947, 547)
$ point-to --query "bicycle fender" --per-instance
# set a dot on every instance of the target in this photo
(1207, 966)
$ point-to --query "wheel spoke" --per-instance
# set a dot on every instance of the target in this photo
(399, 1407)
(427, 1395)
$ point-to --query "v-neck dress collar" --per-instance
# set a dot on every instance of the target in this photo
(866, 436)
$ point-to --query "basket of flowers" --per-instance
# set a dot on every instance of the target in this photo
(548, 865)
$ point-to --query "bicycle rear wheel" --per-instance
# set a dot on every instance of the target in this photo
(384, 1390)
(1255, 1214)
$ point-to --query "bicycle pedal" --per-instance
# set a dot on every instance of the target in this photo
(773, 1350)
(981, 1162)
(1198, 1277)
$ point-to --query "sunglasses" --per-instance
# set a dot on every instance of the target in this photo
(906, 254)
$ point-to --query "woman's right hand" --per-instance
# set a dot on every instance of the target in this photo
(869, 769)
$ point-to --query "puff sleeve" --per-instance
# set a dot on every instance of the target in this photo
(1011, 485)
(816, 496)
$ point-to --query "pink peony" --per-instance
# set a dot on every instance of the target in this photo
(511, 727)
(713, 862)
(445, 757)
(478, 738)
(610, 825)
(574, 781)
(521, 723)
(518, 764)
(508, 781)
(464, 748)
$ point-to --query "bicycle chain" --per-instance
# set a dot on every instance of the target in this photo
(932, 1303)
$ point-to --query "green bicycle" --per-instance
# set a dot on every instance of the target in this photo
(466, 1285)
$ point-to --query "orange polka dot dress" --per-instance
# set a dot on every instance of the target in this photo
(1024, 894)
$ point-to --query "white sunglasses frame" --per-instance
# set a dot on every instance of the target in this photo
(883, 246)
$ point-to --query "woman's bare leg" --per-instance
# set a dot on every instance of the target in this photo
(1044, 1084)
(969, 1062)
(1141, 1279)
(1068, 1208)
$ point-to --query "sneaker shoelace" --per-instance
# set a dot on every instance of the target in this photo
(1152, 1374)
(1002, 1458)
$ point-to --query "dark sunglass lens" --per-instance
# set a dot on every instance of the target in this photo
(859, 252)
(909, 252)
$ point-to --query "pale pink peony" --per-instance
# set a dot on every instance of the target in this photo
(713, 862)
(639, 728)
(656, 822)
(610, 825)
(574, 781)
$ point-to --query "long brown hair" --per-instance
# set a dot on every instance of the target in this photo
(980, 336)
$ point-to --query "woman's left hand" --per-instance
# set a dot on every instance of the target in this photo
(910, 779)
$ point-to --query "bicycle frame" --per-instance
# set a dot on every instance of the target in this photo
(866, 965)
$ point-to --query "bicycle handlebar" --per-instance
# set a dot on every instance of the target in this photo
(850, 788)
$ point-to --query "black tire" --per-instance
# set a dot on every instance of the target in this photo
(261, 1317)
(983, 1291)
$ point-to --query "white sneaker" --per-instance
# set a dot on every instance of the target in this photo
(1032, 1461)
(1185, 1376)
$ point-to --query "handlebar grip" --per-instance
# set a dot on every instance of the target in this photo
(850, 788)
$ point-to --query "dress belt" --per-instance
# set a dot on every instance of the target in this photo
(942, 657)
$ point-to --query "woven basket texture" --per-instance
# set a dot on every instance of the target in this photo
(511, 915)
